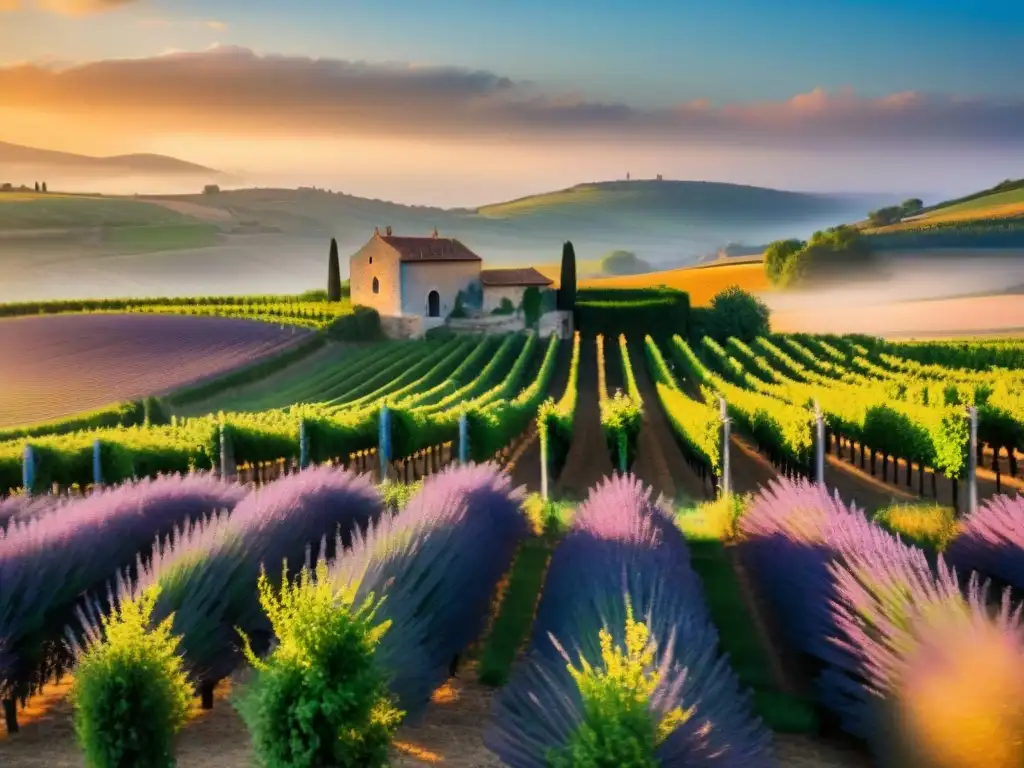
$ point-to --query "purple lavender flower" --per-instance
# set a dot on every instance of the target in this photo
(437, 563)
(208, 571)
(624, 546)
(48, 561)
(992, 541)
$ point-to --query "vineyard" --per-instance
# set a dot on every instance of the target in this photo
(762, 524)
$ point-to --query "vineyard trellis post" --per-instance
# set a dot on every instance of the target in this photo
(28, 470)
(543, 467)
(97, 463)
(463, 438)
(303, 445)
(384, 441)
(726, 430)
(819, 445)
(972, 462)
(223, 453)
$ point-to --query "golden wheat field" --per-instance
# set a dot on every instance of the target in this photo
(702, 283)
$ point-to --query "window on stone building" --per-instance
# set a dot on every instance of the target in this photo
(376, 285)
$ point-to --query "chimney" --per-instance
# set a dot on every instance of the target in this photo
(376, 231)
(388, 230)
(435, 233)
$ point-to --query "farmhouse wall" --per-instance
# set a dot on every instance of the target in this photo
(402, 327)
(493, 294)
(445, 277)
(488, 324)
(376, 260)
(559, 323)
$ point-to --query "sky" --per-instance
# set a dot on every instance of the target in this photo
(461, 102)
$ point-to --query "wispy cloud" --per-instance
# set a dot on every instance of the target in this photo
(81, 7)
(230, 89)
(163, 22)
(9, 5)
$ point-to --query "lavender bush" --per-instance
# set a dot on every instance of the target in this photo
(208, 572)
(22, 508)
(624, 553)
(992, 541)
(437, 562)
(866, 605)
(47, 562)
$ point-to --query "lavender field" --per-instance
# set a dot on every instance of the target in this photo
(57, 365)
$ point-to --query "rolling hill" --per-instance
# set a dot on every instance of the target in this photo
(273, 240)
(141, 164)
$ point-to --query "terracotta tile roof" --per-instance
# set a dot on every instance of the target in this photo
(513, 277)
(430, 248)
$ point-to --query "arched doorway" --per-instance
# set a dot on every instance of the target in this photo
(433, 304)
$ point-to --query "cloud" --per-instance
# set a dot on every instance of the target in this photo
(81, 7)
(231, 90)
(161, 22)
(9, 5)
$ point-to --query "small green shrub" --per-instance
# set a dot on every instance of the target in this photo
(621, 419)
(131, 694)
(737, 313)
(618, 729)
(362, 324)
(319, 699)
(505, 307)
(548, 518)
(929, 526)
(396, 495)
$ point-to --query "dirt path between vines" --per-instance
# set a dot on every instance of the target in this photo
(659, 461)
(526, 470)
(587, 462)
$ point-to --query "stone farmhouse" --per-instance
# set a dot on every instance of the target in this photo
(413, 282)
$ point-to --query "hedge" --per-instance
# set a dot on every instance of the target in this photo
(634, 312)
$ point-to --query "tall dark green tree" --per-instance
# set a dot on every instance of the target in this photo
(567, 284)
(333, 274)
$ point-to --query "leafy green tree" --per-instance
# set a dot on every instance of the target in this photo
(911, 206)
(567, 284)
(777, 257)
(333, 273)
(735, 312)
(624, 263)
(531, 306)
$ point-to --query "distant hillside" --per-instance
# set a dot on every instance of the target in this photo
(14, 154)
(273, 240)
(695, 200)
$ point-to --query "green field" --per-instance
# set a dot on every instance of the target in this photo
(162, 237)
(20, 210)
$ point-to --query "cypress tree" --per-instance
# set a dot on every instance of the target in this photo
(333, 274)
(567, 285)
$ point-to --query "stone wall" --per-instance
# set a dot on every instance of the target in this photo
(402, 326)
(376, 260)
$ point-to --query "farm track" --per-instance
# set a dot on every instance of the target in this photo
(659, 461)
(527, 468)
(587, 462)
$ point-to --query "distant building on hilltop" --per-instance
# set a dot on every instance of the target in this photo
(418, 280)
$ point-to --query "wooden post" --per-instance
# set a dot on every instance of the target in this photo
(724, 416)
(97, 463)
(303, 445)
(384, 442)
(28, 470)
(819, 445)
(223, 454)
(972, 465)
(543, 468)
(463, 438)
